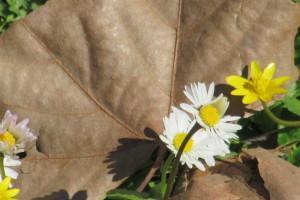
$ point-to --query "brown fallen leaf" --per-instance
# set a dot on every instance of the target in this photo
(218, 187)
(93, 75)
(228, 180)
(281, 178)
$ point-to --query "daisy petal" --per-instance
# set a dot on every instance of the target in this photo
(229, 118)
(210, 161)
(188, 108)
(229, 127)
(211, 90)
(199, 165)
(11, 173)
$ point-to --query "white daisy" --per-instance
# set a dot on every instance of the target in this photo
(209, 111)
(8, 162)
(200, 146)
(14, 137)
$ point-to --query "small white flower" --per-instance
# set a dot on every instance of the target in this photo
(200, 146)
(14, 137)
(209, 111)
(8, 162)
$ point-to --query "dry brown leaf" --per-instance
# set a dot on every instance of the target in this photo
(227, 180)
(93, 75)
(281, 178)
(218, 187)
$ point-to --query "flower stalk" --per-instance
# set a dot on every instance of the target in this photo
(278, 120)
(176, 164)
(2, 166)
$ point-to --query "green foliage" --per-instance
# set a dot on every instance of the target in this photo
(291, 101)
(12, 10)
(294, 156)
(158, 189)
(259, 129)
(155, 190)
(288, 136)
(123, 194)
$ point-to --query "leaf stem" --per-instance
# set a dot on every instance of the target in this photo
(174, 171)
(164, 172)
(278, 120)
(2, 166)
(159, 159)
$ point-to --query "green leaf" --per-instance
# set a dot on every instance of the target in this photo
(12, 10)
(292, 104)
(294, 90)
(283, 139)
(291, 101)
(158, 189)
(288, 136)
(164, 170)
(294, 156)
(122, 194)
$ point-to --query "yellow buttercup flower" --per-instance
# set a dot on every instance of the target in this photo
(5, 192)
(260, 85)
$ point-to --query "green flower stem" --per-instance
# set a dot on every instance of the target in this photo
(2, 166)
(176, 164)
(164, 172)
(278, 120)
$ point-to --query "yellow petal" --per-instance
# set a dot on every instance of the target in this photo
(278, 90)
(269, 71)
(266, 97)
(255, 70)
(249, 99)
(279, 81)
(5, 183)
(12, 192)
(236, 81)
(240, 92)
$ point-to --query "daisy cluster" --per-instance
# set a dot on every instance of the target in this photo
(15, 138)
(215, 132)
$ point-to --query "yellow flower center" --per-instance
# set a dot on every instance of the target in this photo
(8, 138)
(257, 86)
(210, 115)
(178, 139)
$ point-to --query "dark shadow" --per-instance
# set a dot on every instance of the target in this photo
(297, 49)
(236, 106)
(256, 181)
(131, 155)
(151, 133)
(81, 195)
(63, 195)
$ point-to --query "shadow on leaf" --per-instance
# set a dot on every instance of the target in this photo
(131, 155)
(63, 195)
(236, 107)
